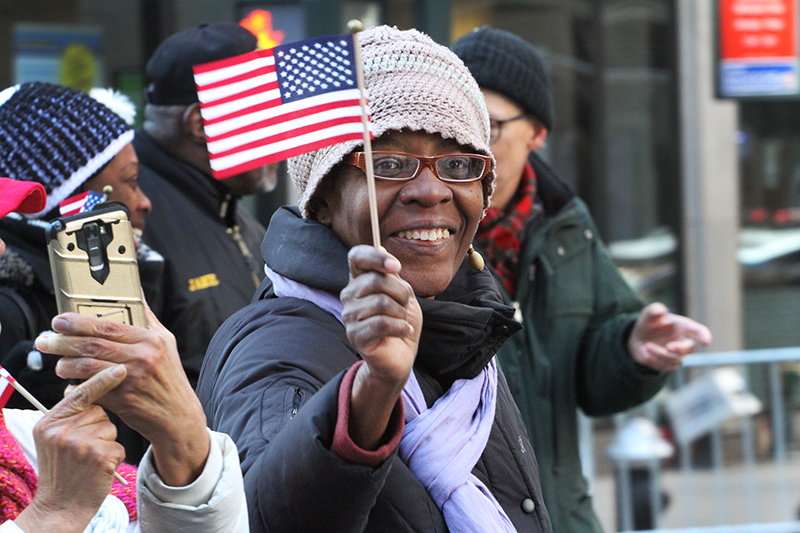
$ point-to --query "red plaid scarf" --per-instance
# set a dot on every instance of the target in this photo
(499, 231)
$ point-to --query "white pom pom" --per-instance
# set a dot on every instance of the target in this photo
(116, 102)
(5, 94)
(35, 362)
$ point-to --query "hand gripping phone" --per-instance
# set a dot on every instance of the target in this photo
(93, 263)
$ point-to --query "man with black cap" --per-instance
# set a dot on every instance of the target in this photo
(587, 340)
(212, 243)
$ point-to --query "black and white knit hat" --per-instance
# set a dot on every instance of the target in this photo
(57, 136)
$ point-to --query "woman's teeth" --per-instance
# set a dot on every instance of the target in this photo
(425, 234)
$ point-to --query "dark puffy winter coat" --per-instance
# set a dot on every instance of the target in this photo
(271, 380)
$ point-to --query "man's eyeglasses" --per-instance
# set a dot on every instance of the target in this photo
(496, 127)
(453, 168)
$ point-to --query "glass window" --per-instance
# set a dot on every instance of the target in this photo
(615, 139)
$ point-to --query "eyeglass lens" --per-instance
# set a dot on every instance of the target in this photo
(450, 167)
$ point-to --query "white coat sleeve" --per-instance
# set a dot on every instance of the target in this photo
(213, 503)
(10, 527)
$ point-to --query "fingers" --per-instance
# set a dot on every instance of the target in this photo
(81, 368)
(81, 346)
(654, 311)
(374, 287)
(79, 335)
(363, 258)
(658, 357)
(152, 321)
(695, 330)
(82, 397)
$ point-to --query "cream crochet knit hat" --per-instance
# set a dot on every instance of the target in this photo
(412, 83)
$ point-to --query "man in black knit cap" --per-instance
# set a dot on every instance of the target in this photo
(197, 224)
(587, 340)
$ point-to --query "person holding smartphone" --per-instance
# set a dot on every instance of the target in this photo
(190, 480)
(70, 143)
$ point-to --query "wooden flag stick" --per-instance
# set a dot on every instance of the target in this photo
(36, 403)
(355, 26)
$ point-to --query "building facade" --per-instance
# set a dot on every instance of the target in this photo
(683, 185)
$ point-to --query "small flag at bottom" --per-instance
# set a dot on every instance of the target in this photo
(80, 203)
(6, 389)
(269, 105)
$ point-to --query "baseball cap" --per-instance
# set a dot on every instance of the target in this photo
(21, 196)
(169, 75)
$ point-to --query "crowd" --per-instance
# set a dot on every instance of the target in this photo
(400, 388)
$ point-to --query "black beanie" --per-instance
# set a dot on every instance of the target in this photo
(169, 75)
(503, 62)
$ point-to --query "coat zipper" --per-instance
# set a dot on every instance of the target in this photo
(297, 401)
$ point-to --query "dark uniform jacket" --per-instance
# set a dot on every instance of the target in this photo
(211, 243)
(577, 313)
(271, 380)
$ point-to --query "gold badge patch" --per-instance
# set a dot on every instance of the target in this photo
(203, 282)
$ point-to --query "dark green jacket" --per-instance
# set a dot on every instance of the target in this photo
(577, 313)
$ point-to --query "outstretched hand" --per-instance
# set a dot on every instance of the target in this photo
(77, 457)
(155, 399)
(383, 321)
(660, 339)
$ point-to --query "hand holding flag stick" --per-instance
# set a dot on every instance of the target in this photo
(5, 393)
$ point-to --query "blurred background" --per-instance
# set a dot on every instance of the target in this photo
(677, 121)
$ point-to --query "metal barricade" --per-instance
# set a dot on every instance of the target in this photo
(743, 485)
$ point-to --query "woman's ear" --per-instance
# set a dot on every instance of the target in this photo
(320, 210)
(193, 124)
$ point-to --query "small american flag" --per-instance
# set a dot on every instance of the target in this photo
(80, 203)
(6, 389)
(269, 105)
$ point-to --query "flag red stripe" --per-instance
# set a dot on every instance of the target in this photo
(236, 79)
(231, 61)
(300, 113)
(5, 395)
(287, 135)
(280, 156)
(244, 111)
(238, 96)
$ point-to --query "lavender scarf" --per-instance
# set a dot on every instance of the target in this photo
(440, 445)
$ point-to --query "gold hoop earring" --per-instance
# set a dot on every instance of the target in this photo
(475, 258)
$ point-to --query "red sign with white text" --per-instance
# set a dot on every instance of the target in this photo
(758, 28)
(758, 48)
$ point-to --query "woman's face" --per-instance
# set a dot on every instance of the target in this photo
(122, 173)
(407, 210)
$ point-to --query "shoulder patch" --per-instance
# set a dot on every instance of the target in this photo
(203, 282)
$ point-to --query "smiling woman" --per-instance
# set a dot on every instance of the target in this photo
(361, 388)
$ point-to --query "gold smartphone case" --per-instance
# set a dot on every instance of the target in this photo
(93, 263)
